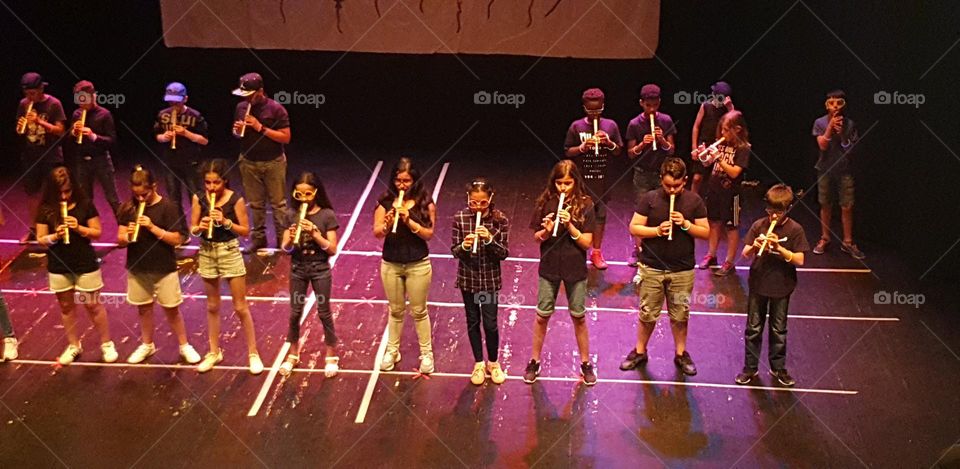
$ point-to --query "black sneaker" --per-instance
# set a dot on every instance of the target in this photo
(634, 259)
(783, 377)
(532, 371)
(588, 373)
(633, 360)
(853, 250)
(745, 376)
(685, 363)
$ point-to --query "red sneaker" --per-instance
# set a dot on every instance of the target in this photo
(596, 258)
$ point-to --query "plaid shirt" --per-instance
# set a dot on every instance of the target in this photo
(480, 272)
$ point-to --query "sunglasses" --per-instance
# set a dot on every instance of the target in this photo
(303, 196)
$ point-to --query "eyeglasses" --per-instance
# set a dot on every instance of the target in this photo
(478, 203)
(303, 196)
(773, 211)
(593, 111)
(836, 102)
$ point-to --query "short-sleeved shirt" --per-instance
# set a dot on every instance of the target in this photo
(186, 151)
(770, 275)
(149, 254)
(78, 257)
(229, 209)
(37, 142)
(648, 159)
(593, 165)
(560, 257)
(100, 121)
(404, 246)
(308, 251)
(254, 146)
(719, 180)
(660, 253)
(836, 158)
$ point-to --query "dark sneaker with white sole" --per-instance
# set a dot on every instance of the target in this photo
(532, 371)
(588, 373)
(633, 360)
(783, 377)
(745, 376)
(685, 363)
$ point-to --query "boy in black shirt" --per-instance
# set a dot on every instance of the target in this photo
(667, 264)
(97, 135)
(41, 129)
(773, 277)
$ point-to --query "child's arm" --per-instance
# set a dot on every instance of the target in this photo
(457, 247)
(498, 245)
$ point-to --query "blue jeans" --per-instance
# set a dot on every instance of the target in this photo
(758, 309)
(318, 275)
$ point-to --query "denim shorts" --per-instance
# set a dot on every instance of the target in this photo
(221, 260)
(547, 297)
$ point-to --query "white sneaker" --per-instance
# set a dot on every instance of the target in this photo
(189, 354)
(9, 349)
(389, 360)
(256, 365)
(497, 375)
(209, 360)
(142, 352)
(426, 363)
(70, 354)
(479, 374)
(287, 367)
(331, 366)
(110, 354)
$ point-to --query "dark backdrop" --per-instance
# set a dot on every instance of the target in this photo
(780, 57)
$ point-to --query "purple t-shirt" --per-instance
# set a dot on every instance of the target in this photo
(37, 142)
(660, 253)
(254, 146)
(650, 160)
(593, 167)
(837, 157)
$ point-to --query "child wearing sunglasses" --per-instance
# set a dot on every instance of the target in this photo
(311, 240)
(480, 247)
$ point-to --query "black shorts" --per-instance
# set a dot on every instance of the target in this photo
(723, 206)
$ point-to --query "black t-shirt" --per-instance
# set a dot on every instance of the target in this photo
(77, 257)
(709, 122)
(404, 245)
(660, 253)
(229, 209)
(719, 180)
(190, 119)
(650, 160)
(770, 275)
(100, 121)
(149, 254)
(593, 167)
(254, 146)
(37, 142)
(560, 257)
(308, 250)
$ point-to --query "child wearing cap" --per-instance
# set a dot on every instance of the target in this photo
(97, 134)
(181, 141)
(40, 129)
(773, 277)
(263, 127)
(705, 128)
